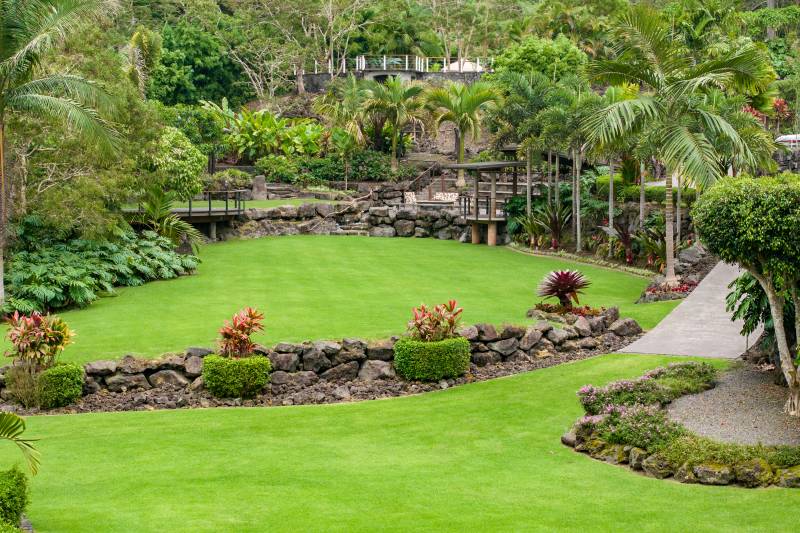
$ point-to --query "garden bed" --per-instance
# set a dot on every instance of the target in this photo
(337, 371)
(627, 423)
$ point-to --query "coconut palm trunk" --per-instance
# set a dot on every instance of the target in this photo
(3, 211)
(669, 215)
(678, 218)
(578, 236)
(394, 147)
(610, 204)
(461, 182)
(556, 182)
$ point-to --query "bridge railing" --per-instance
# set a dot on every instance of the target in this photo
(408, 63)
(231, 202)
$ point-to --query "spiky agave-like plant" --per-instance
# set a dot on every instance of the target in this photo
(565, 285)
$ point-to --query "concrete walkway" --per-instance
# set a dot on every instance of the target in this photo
(699, 326)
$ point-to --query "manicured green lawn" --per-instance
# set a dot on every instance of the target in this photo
(482, 457)
(323, 287)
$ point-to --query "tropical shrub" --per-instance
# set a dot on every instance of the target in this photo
(75, 273)
(653, 193)
(431, 361)
(435, 324)
(554, 58)
(60, 385)
(6, 527)
(255, 134)
(279, 168)
(236, 335)
(179, 163)
(227, 180)
(37, 339)
(601, 185)
(643, 426)
(565, 285)
(14, 495)
(236, 378)
(553, 221)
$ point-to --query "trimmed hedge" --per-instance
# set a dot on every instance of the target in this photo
(60, 385)
(14, 495)
(6, 527)
(236, 378)
(601, 183)
(656, 193)
(431, 361)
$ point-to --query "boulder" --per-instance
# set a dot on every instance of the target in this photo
(279, 377)
(404, 228)
(406, 213)
(614, 454)
(713, 474)
(504, 347)
(421, 232)
(198, 384)
(610, 339)
(754, 473)
(121, 382)
(347, 355)
(380, 211)
(307, 211)
(657, 467)
(168, 377)
(487, 332)
(519, 355)
(469, 332)
(100, 368)
(315, 360)
(372, 370)
(568, 438)
(172, 362)
(610, 315)
(486, 358)
(381, 350)
(327, 347)
(583, 327)
(569, 346)
(597, 324)
(131, 365)
(636, 457)
(382, 231)
(788, 477)
(304, 378)
(510, 331)
(286, 347)
(557, 336)
(193, 366)
(323, 210)
(259, 191)
(288, 362)
(684, 474)
(588, 343)
(543, 326)
(544, 345)
(354, 345)
(90, 385)
(531, 337)
(342, 392)
(625, 327)
(692, 254)
(344, 372)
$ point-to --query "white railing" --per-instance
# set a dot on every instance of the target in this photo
(407, 63)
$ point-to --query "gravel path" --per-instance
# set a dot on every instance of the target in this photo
(746, 407)
(699, 326)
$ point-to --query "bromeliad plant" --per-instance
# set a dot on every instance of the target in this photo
(236, 335)
(435, 324)
(565, 285)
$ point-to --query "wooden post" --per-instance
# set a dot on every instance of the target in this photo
(477, 211)
(493, 198)
(491, 235)
(476, 233)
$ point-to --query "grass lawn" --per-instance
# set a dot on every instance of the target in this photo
(482, 457)
(323, 287)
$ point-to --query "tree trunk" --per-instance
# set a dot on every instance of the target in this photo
(642, 195)
(549, 177)
(300, 85)
(574, 222)
(394, 147)
(460, 181)
(669, 215)
(556, 183)
(770, 29)
(528, 182)
(578, 236)
(678, 218)
(610, 204)
(3, 211)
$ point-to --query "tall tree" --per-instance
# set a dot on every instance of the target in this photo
(29, 31)
(667, 109)
(463, 106)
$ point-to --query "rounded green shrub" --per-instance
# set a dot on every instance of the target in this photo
(236, 378)
(60, 385)
(431, 361)
(7, 527)
(14, 495)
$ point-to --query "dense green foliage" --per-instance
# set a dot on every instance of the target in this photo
(56, 275)
(14, 495)
(554, 58)
(178, 163)
(431, 361)
(225, 377)
(60, 385)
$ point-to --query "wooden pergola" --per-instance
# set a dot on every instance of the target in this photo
(484, 204)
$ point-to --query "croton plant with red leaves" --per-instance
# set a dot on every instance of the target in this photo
(435, 324)
(236, 334)
(37, 339)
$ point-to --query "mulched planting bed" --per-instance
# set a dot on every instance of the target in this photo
(745, 407)
(307, 389)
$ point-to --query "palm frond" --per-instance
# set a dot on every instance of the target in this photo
(12, 427)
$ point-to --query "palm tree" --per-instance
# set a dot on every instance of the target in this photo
(667, 109)
(463, 105)
(12, 426)
(400, 103)
(343, 106)
(29, 31)
(156, 214)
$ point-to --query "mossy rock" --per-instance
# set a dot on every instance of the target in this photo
(636, 457)
(657, 466)
(614, 454)
(713, 474)
(684, 474)
(788, 477)
(595, 447)
(754, 473)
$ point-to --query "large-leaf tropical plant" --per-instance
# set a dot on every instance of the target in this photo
(12, 426)
(29, 31)
(668, 108)
(399, 102)
(463, 106)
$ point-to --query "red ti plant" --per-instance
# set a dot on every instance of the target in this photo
(435, 324)
(564, 285)
(37, 339)
(236, 341)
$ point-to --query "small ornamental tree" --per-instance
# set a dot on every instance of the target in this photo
(755, 222)
(236, 335)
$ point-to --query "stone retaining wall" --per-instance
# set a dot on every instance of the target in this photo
(303, 364)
